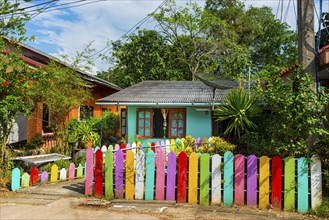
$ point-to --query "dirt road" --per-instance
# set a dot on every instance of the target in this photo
(66, 201)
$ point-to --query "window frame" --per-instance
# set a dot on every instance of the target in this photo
(183, 110)
(125, 125)
(169, 125)
(151, 122)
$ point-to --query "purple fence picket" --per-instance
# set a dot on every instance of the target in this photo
(239, 179)
(119, 177)
(252, 181)
(44, 177)
(71, 171)
(171, 177)
(89, 171)
(160, 175)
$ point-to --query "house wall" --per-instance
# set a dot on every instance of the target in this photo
(198, 124)
(99, 91)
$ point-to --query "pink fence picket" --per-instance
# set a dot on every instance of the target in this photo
(71, 171)
(160, 174)
(89, 171)
(239, 179)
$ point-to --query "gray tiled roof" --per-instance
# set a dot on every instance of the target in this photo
(165, 92)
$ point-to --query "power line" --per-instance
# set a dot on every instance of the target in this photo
(128, 33)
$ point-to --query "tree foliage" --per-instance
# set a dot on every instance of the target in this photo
(295, 115)
(222, 40)
(269, 43)
(144, 56)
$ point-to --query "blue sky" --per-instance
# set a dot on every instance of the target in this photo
(69, 30)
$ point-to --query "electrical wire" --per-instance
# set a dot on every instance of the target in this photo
(127, 33)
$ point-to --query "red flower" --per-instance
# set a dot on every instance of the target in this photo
(5, 83)
(51, 81)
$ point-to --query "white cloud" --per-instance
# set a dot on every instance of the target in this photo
(67, 31)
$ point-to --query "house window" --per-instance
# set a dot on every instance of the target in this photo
(160, 123)
(45, 119)
(145, 123)
(123, 122)
(86, 112)
(177, 123)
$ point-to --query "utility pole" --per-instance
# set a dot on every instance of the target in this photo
(306, 40)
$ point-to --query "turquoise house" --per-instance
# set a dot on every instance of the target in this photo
(160, 110)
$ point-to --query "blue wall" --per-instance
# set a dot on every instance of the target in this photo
(198, 124)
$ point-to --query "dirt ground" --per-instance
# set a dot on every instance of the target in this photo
(66, 202)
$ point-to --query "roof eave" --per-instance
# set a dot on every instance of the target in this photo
(159, 104)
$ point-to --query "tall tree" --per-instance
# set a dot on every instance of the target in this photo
(270, 44)
(144, 56)
(14, 73)
(191, 30)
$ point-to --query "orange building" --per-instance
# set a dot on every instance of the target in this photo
(26, 128)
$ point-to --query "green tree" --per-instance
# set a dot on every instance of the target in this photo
(144, 56)
(270, 44)
(15, 75)
(240, 110)
(295, 114)
(191, 30)
(60, 88)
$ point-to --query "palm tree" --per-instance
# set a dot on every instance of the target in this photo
(240, 110)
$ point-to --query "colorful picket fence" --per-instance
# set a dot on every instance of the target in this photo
(263, 182)
(34, 178)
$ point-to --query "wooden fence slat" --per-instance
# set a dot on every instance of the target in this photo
(193, 178)
(119, 174)
(216, 180)
(302, 186)
(109, 173)
(15, 179)
(99, 174)
(116, 148)
(182, 177)
(34, 176)
(150, 169)
(130, 175)
(264, 182)
(62, 174)
(123, 148)
(44, 177)
(228, 178)
(54, 174)
(171, 177)
(204, 179)
(25, 180)
(71, 171)
(167, 146)
(139, 186)
(316, 182)
(160, 175)
(104, 149)
(289, 183)
(239, 167)
(153, 147)
(163, 145)
(252, 181)
(276, 183)
(172, 145)
(80, 171)
(89, 171)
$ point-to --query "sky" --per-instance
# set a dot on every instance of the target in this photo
(68, 30)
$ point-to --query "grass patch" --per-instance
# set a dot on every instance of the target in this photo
(323, 210)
